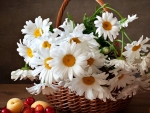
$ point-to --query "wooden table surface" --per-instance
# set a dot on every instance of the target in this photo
(139, 104)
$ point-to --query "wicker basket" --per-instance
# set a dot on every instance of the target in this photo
(67, 102)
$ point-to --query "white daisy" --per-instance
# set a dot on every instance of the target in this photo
(42, 68)
(64, 83)
(67, 26)
(46, 89)
(132, 89)
(22, 74)
(144, 64)
(129, 19)
(121, 80)
(46, 42)
(143, 83)
(56, 32)
(95, 61)
(89, 85)
(128, 91)
(120, 64)
(132, 51)
(76, 35)
(38, 29)
(106, 95)
(107, 26)
(89, 42)
(146, 75)
(71, 34)
(68, 59)
(26, 50)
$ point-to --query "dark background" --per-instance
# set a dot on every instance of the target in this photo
(14, 13)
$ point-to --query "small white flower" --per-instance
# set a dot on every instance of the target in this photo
(42, 68)
(22, 74)
(132, 89)
(45, 42)
(129, 19)
(106, 95)
(132, 51)
(120, 64)
(46, 89)
(95, 61)
(89, 42)
(68, 60)
(146, 76)
(38, 29)
(144, 64)
(76, 35)
(50, 89)
(107, 26)
(89, 85)
(67, 26)
(128, 91)
(143, 83)
(121, 80)
(26, 50)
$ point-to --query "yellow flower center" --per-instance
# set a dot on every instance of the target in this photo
(107, 25)
(46, 64)
(135, 48)
(38, 32)
(75, 39)
(120, 77)
(88, 80)
(46, 44)
(90, 61)
(29, 52)
(69, 60)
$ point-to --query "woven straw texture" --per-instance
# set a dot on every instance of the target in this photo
(67, 102)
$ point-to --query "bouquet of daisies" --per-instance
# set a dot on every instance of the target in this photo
(89, 58)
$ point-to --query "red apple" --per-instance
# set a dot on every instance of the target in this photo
(30, 100)
(39, 108)
(5, 110)
(28, 110)
(49, 109)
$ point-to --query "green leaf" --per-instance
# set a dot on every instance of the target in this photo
(51, 29)
(70, 18)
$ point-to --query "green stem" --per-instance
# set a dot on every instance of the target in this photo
(119, 41)
(115, 51)
(26, 67)
(115, 12)
(127, 37)
(122, 48)
(105, 5)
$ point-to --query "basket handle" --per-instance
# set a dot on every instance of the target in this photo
(62, 9)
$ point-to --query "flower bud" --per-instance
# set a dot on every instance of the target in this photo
(105, 50)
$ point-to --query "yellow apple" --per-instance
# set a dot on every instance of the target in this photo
(44, 104)
(14, 105)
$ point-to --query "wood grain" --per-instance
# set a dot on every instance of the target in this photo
(8, 91)
(139, 104)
